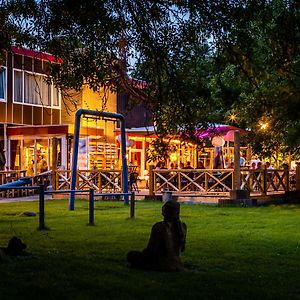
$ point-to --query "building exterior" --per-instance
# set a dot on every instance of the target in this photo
(35, 117)
(37, 123)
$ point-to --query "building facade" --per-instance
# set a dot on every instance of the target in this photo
(35, 117)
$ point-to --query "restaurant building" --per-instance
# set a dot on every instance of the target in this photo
(35, 117)
(37, 123)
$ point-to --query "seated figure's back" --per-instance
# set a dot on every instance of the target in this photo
(166, 243)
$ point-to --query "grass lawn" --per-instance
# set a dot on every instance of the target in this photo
(231, 253)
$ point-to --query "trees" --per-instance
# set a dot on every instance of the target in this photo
(262, 73)
(201, 60)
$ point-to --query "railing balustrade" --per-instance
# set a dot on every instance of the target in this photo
(11, 176)
(100, 180)
(212, 181)
(181, 181)
(193, 180)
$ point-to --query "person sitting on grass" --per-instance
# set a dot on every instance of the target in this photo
(15, 248)
(166, 243)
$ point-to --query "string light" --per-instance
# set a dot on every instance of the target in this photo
(263, 125)
(233, 117)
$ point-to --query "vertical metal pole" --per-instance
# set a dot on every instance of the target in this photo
(132, 205)
(74, 159)
(91, 207)
(237, 168)
(42, 207)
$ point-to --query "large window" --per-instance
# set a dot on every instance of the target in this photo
(2, 83)
(32, 88)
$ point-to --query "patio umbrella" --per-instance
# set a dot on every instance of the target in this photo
(219, 130)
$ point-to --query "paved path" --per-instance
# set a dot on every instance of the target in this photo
(24, 199)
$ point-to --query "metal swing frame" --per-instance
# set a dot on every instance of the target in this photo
(116, 116)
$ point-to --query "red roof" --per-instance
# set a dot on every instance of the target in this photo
(36, 54)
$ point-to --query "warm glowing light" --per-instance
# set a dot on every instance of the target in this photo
(233, 117)
(263, 125)
(173, 157)
(176, 141)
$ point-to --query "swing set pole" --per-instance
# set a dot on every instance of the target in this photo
(116, 116)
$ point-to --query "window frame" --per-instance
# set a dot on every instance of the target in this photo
(5, 84)
(51, 87)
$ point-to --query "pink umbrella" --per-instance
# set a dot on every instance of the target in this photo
(219, 129)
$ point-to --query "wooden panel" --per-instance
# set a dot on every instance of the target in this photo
(47, 116)
(38, 66)
(17, 114)
(46, 67)
(9, 113)
(37, 113)
(136, 116)
(27, 63)
(27, 114)
(2, 110)
(9, 79)
(37, 130)
(55, 116)
(68, 108)
(18, 61)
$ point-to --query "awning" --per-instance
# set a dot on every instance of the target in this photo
(46, 130)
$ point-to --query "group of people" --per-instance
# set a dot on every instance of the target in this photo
(41, 166)
(162, 165)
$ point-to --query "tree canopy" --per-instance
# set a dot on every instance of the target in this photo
(201, 61)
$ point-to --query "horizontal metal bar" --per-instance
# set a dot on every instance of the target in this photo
(66, 191)
(114, 194)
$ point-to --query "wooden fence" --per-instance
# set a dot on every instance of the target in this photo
(184, 181)
(211, 181)
(100, 180)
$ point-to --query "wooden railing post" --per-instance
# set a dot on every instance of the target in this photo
(54, 164)
(237, 193)
(298, 177)
(287, 177)
(237, 168)
(264, 180)
(179, 181)
(151, 180)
